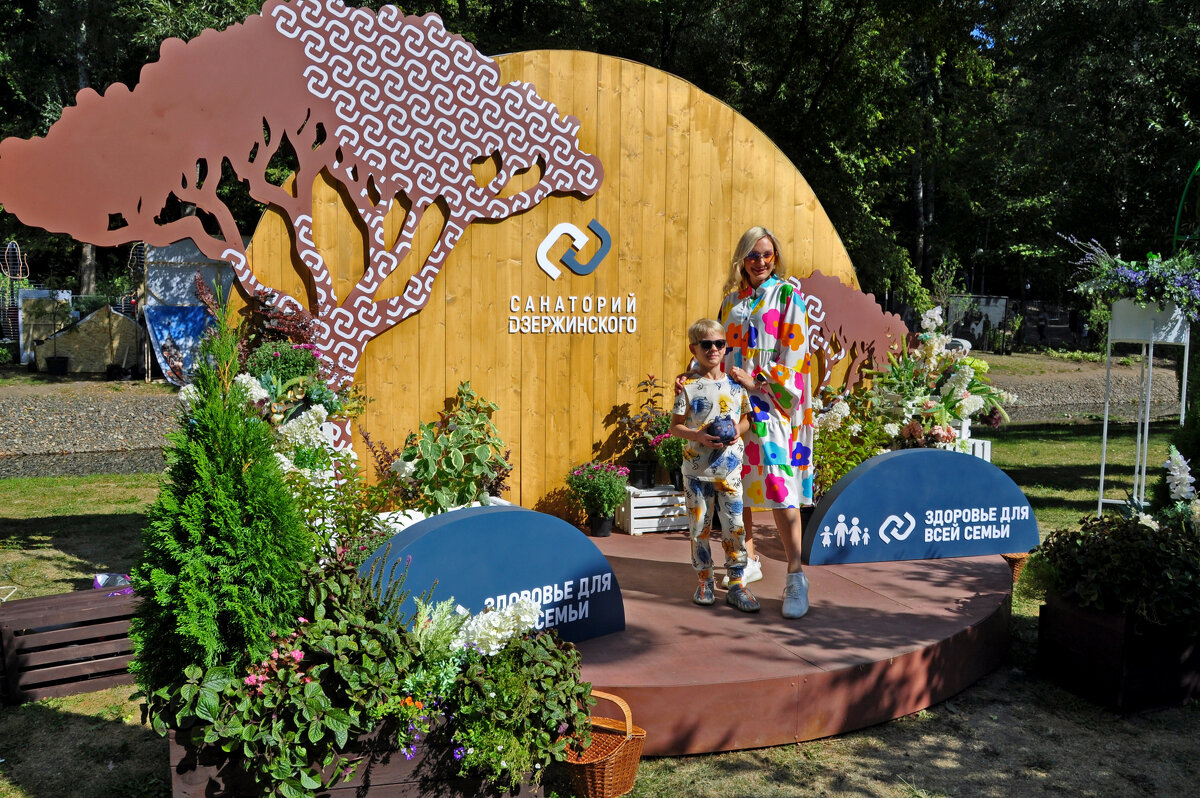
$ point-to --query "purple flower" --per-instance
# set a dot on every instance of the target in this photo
(459, 753)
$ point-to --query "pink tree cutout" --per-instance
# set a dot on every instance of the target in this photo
(393, 107)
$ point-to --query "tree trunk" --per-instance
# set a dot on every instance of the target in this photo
(87, 269)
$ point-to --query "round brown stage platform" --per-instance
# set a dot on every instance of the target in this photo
(881, 640)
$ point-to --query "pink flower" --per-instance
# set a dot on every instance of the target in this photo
(274, 655)
(297, 655)
(302, 619)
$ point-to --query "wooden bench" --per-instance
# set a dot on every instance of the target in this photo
(66, 644)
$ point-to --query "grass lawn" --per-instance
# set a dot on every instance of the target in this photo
(1058, 465)
(1009, 734)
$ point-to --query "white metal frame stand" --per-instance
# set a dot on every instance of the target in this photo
(1146, 326)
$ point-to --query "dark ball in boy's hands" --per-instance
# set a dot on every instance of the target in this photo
(723, 428)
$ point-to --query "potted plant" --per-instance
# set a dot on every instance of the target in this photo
(640, 429)
(911, 403)
(668, 449)
(1157, 283)
(1121, 623)
(599, 488)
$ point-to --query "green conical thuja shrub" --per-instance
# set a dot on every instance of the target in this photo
(225, 547)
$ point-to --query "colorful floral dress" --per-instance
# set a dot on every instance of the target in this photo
(767, 333)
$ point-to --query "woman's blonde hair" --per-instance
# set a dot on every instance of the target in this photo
(737, 275)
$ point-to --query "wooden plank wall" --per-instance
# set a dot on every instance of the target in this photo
(684, 176)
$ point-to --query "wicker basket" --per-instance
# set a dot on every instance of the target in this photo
(1017, 563)
(607, 767)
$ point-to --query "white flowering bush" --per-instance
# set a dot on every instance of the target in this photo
(912, 403)
(489, 631)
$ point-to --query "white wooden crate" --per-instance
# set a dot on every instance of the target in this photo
(657, 509)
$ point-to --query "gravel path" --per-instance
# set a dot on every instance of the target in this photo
(1044, 397)
(118, 427)
(107, 427)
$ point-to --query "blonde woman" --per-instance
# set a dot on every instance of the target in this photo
(766, 330)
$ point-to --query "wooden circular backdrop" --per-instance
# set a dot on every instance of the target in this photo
(685, 175)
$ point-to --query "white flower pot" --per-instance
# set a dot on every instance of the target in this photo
(1160, 324)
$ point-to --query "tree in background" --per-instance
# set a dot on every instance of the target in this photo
(961, 132)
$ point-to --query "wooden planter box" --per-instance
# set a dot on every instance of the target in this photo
(1116, 660)
(657, 509)
(385, 773)
(66, 644)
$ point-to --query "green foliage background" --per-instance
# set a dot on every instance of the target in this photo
(963, 132)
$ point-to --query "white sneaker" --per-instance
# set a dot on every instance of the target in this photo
(795, 596)
(752, 573)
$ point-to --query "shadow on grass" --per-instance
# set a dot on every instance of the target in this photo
(50, 751)
(57, 546)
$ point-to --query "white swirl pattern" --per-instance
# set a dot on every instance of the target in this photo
(411, 107)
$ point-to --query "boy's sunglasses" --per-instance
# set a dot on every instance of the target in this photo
(706, 345)
(765, 257)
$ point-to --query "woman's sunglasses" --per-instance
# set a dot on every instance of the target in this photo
(765, 257)
(706, 345)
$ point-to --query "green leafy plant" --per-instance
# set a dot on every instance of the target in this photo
(1139, 562)
(225, 548)
(287, 363)
(849, 434)
(598, 487)
(449, 463)
(515, 711)
(288, 717)
(638, 430)
(1122, 564)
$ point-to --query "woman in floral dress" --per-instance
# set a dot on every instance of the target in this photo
(766, 327)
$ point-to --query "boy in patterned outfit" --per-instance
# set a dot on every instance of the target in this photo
(711, 413)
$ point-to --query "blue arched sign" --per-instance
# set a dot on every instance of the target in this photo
(491, 556)
(919, 504)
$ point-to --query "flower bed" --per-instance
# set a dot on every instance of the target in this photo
(266, 656)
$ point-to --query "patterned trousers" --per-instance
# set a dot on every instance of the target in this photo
(700, 496)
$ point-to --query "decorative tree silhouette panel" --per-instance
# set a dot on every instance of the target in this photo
(393, 107)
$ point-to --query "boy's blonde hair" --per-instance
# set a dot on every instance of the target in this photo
(697, 330)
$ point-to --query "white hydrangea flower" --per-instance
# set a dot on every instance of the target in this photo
(404, 469)
(188, 396)
(958, 382)
(305, 429)
(489, 632)
(891, 429)
(931, 319)
(253, 388)
(1179, 477)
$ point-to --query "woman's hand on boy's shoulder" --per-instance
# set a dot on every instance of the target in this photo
(682, 380)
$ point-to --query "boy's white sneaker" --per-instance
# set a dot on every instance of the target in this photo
(795, 596)
(752, 573)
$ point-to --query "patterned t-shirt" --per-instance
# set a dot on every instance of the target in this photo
(701, 402)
